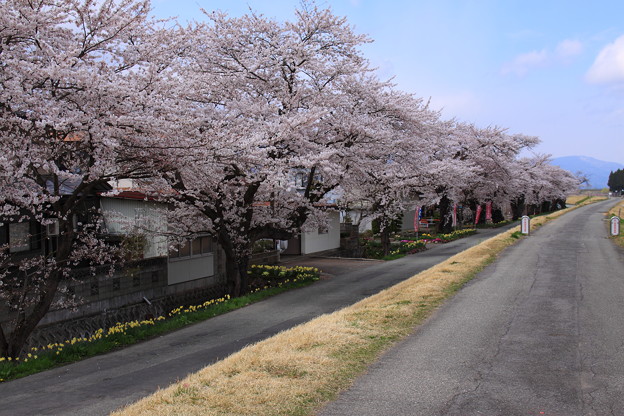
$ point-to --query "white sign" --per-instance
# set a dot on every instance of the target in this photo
(615, 226)
(525, 228)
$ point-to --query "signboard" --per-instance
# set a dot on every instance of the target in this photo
(525, 226)
(615, 226)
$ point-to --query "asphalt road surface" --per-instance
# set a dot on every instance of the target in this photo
(539, 332)
(102, 384)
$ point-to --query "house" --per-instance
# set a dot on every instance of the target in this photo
(160, 275)
(318, 240)
(130, 214)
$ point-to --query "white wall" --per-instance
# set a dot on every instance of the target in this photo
(124, 216)
(313, 242)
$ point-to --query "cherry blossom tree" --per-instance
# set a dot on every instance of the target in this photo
(250, 128)
(473, 165)
(388, 179)
(273, 126)
(495, 152)
(541, 186)
(74, 93)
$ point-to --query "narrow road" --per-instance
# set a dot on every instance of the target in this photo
(102, 384)
(539, 332)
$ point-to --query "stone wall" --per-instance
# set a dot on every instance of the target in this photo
(136, 292)
(86, 325)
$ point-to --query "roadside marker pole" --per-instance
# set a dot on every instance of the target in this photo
(525, 227)
(615, 226)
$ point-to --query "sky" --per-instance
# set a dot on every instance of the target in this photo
(547, 68)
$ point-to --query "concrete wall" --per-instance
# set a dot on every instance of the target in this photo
(187, 269)
(313, 242)
(408, 220)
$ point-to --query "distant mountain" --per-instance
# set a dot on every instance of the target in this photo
(596, 171)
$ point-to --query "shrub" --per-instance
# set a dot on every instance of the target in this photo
(262, 246)
(265, 276)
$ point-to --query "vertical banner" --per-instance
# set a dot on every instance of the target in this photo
(416, 218)
(488, 211)
(478, 214)
(455, 215)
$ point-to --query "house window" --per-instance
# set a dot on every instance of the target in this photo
(196, 246)
(301, 180)
(184, 249)
(191, 248)
(206, 243)
(19, 237)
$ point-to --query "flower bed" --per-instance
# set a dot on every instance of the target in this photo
(265, 276)
(372, 248)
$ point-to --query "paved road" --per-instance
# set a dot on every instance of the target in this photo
(540, 331)
(101, 384)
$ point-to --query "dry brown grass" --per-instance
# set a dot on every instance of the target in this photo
(617, 209)
(575, 199)
(297, 371)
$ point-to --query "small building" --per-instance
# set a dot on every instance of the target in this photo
(319, 240)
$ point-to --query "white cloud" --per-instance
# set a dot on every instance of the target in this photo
(569, 48)
(522, 63)
(563, 53)
(609, 64)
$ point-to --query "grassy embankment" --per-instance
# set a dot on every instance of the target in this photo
(298, 370)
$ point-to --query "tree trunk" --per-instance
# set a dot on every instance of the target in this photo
(385, 240)
(26, 322)
(4, 345)
(497, 215)
(243, 267)
(517, 208)
(446, 221)
(29, 316)
(232, 275)
(237, 279)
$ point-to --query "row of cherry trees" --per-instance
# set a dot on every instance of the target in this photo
(219, 119)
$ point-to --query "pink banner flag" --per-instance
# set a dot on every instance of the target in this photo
(488, 211)
(417, 216)
(455, 215)
(478, 215)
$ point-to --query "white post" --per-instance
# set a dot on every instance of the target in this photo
(615, 226)
(525, 227)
